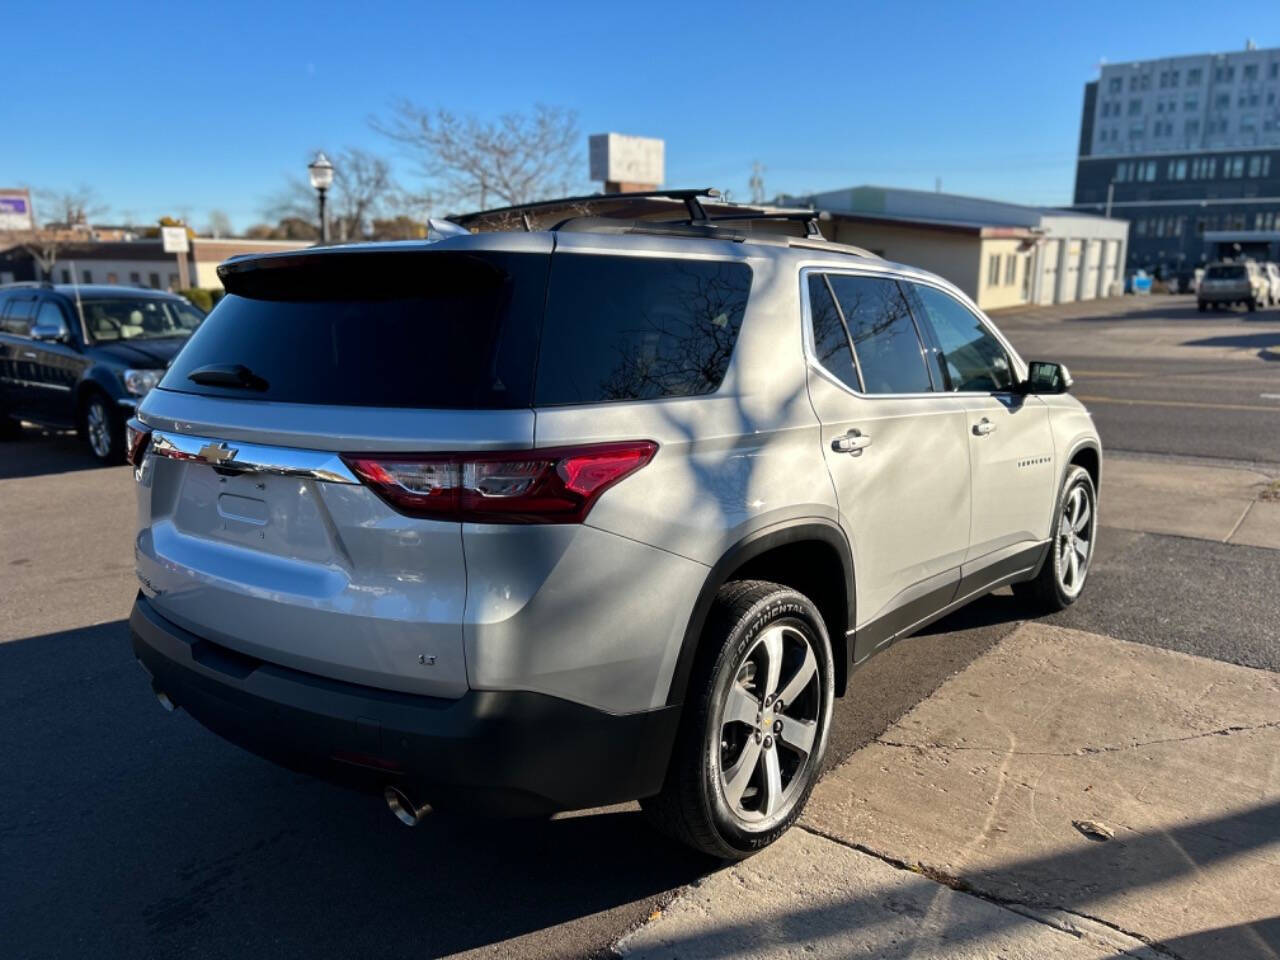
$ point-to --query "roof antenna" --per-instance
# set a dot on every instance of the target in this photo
(75, 285)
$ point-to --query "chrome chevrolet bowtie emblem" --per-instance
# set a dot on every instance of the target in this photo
(217, 453)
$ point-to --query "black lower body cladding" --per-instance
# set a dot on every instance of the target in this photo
(494, 752)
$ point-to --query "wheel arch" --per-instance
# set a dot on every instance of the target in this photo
(1086, 454)
(811, 556)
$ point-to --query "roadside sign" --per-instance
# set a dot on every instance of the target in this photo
(175, 239)
(15, 210)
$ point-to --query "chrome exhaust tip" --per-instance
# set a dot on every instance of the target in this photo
(164, 700)
(405, 810)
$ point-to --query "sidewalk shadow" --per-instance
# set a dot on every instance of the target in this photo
(128, 832)
(1267, 344)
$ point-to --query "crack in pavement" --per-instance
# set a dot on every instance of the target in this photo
(1024, 908)
(1081, 751)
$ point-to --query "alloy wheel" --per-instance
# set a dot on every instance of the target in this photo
(769, 726)
(98, 427)
(1074, 543)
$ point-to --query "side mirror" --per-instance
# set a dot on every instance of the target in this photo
(1045, 376)
(57, 333)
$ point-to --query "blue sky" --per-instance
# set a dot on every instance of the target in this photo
(165, 108)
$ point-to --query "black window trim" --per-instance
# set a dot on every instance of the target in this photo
(810, 351)
(935, 348)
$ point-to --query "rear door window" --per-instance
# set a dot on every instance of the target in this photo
(830, 338)
(434, 329)
(17, 319)
(638, 328)
(884, 335)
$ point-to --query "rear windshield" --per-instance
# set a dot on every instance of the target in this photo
(441, 329)
(446, 329)
(1225, 273)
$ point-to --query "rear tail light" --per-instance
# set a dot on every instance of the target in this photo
(136, 436)
(551, 485)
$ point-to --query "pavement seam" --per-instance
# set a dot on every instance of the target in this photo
(1023, 908)
(1248, 507)
(1083, 751)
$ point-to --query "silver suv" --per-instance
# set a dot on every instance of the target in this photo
(525, 522)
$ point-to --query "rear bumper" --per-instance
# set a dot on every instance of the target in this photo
(500, 752)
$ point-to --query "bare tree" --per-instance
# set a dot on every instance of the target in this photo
(362, 188)
(516, 159)
(70, 208)
(219, 224)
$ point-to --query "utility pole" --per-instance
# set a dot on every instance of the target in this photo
(756, 183)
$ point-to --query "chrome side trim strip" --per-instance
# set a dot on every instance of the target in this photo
(252, 457)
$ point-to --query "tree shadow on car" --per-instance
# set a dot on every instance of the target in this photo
(40, 451)
(131, 832)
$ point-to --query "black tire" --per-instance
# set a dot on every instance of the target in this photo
(1202, 306)
(107, 447)
(1253, 305)
(1047, 592)
(10, 429)
(692, 807)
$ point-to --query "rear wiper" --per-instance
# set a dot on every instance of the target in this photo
(227, 375)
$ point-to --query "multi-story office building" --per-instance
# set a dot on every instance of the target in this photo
(1188, 150)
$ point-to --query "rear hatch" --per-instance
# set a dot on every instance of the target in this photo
(1227, 279)
(256, 532)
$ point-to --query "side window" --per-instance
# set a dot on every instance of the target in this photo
(974, 360)
(830, 341)
(50, 315)
(884, 336)
(17, 319)
(638, 328)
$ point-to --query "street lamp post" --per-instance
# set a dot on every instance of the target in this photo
(321, 172)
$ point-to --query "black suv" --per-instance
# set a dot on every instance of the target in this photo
(83, 356)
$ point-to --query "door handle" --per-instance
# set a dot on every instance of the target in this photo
(853, 442)
(983, 427)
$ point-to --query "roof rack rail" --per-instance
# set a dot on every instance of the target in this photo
(810, 218)
(689, 196)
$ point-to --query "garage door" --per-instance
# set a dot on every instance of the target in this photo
(1092, 254)
(1070, 284)
(1049, 271)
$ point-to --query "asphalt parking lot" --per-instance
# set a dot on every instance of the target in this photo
(125, 831)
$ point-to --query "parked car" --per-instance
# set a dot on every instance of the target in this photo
(1271, 273)
(1227, 283)
(82, 356)
(526, 522)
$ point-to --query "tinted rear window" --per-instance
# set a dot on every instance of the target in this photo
(422, 329)
(638, 328)
(1225, 273)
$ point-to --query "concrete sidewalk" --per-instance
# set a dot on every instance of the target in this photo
(1229, 504)
(1067, 795)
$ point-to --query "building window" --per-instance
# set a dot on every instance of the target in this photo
(1193, 77)
(86, 276)
(1133, 83)
(1233, 167)
(173, 281)
(993, 270)
(1191, 104)
(1222, 101)
(1136, 131)
(1192, 128)
(1224, 73)
(112, 278)
(1116, 84)
(135, 279)
(1251, 72)
(1135, 107)
(1275, 70)
(1146, 81)
(1249, 124)
(66, 275)
(1177, 170)
(1173, 78)
(1140, 227)
(1010, 269)
(154, 279)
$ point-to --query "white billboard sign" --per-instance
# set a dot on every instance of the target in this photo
(175, 239)
(619, 158)
(15, 210)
